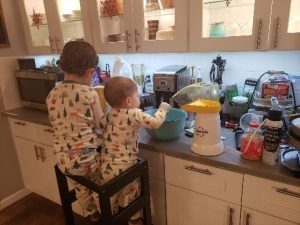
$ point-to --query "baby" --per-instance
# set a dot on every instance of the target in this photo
(121, 137)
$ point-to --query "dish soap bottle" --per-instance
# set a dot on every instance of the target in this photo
(272, 135)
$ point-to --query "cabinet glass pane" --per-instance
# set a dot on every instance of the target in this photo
(112, 21)
(294, 20)
(70, 19)
(38, 27)
(225, 18)
(159, 17)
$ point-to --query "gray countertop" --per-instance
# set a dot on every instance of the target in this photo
(230, 159)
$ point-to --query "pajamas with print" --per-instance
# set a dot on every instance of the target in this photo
(76, 115)
(121, 149)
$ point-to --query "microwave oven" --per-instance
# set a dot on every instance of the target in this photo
(35, 85)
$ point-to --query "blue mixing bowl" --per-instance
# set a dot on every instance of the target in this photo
(171, 128)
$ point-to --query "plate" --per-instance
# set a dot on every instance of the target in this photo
(290, 159)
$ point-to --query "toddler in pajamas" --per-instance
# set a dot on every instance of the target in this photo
(121, 137)
(75, 114)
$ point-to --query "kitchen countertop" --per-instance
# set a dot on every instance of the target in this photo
(230, 159)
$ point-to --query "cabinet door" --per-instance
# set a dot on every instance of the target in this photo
(189, 208)
(253, 217)
(69, 21)
(111, 25)
(159, 27)
(35, 24)
(158, 201)
(34, 171)
(229, 25)
(285, 25)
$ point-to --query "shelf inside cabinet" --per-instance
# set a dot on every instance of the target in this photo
(217, 4)
(160, 12)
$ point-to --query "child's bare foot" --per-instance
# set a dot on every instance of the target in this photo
(138, 221)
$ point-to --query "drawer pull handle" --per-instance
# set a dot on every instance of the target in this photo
(36, 149)
(285, 191)
(43, 154)
(20, 123)
(260, 24)
(49, 130)
(230, 222)
(248, 219)
(204, 171)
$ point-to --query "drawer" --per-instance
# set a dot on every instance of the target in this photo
(272, 197)
(23, 129)
(207, 180)
(155, 163)
(45, 134)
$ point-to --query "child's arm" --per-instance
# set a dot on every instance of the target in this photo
(153, 122)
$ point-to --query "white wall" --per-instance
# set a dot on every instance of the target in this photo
(14, 28)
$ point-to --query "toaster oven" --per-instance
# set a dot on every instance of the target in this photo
(35, 85)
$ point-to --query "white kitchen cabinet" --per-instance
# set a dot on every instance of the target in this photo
(272, 197)
(49, 24)
(253, 217)
(34, 166)
(157, 185)
(199, 194)
(127, 29)
(244, 25)
(185, 207)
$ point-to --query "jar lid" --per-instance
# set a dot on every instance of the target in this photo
(240, 99)
(202, 106)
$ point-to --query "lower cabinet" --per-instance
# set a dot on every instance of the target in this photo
(35, 166)
(253, 217)
(186, 207)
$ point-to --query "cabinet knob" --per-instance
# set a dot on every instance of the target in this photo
(20, 123)
(260, 24)
(136, 39)
(51, 41)
(198, 170)
(276, 38)
(127, 40)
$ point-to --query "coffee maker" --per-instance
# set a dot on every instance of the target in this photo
(167, 81)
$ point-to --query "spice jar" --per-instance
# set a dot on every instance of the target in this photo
(252, 142)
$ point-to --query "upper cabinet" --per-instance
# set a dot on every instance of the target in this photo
(285, 25)
(244, 25)
(135, 26)
(49, 24)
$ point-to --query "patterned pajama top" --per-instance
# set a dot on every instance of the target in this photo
(75, 114)
(121, 133)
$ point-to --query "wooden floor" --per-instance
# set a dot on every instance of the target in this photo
(36, 210)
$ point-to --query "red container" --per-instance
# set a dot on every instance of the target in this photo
(252, 143)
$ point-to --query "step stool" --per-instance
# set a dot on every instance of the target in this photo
(105, 192)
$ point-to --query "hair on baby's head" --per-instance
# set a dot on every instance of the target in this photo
(117, 89)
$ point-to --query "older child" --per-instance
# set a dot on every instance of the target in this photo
(75, 114)
(121, 137)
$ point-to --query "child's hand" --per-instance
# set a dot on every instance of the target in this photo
(165, 106)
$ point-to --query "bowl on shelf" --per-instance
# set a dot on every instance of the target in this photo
(171, 128)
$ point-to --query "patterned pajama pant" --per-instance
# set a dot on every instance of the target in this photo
(127, 194)
(82, 163)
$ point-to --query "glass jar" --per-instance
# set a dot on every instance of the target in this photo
(239, 106)
(252, 142)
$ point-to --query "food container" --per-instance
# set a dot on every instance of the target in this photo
(278, 90)
(239, 105)
(171, 128)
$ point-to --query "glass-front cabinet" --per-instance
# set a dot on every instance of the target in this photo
(285, 25)
(139, 25)
(241, 25)
(229, 25)
(49, 24)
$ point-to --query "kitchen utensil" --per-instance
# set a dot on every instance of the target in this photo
(171, 128)
(290, 159)
(207, 135)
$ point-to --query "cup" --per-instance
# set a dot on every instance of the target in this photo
(152, 28)
(100, 92)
